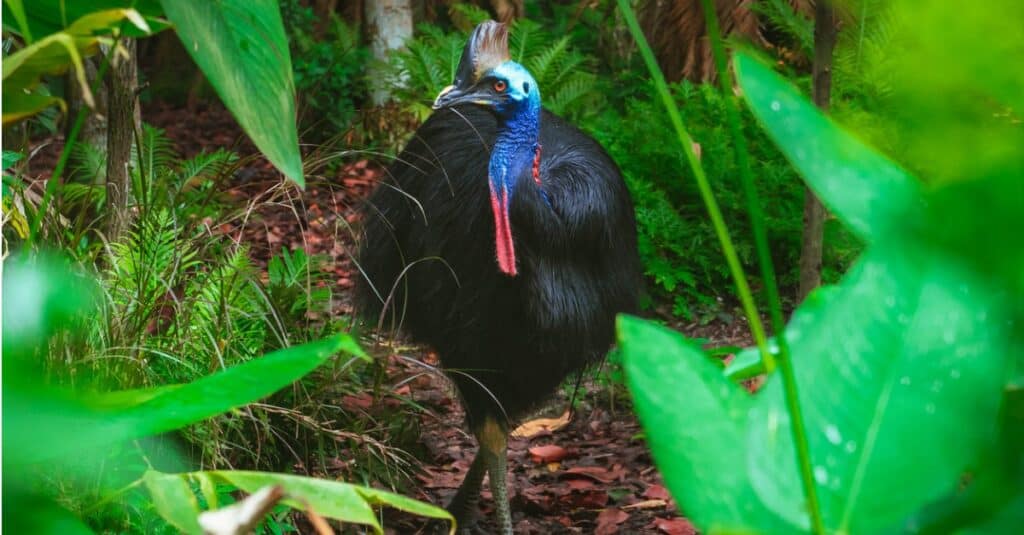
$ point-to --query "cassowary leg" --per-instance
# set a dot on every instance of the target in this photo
(494, 449)
(464, 503)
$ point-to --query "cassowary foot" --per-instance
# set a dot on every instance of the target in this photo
(494, 450)
(463, 505)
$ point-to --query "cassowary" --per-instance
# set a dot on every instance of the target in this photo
(505, 238)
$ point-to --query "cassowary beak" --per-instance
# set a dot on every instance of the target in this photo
(453, 95)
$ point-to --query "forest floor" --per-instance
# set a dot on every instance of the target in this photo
(590, 474)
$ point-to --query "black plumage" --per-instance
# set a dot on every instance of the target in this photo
(519, 337)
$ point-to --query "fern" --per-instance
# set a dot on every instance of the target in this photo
(466, 16)
(428, 64)
(782, 15)
(205, 166)
(90, 161)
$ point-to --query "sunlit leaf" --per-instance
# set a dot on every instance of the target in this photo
(174, 500)
(694, 419)
(907, 346)
(869, 193)
(333, 499)
(45, 17)
(241, 47)
(54, 54)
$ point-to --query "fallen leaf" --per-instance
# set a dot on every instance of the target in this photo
(548, 454)
(657, 492)
(580, 484)
(601, 475)
(541, 425)
(362, 401)
(646, 504)
(675, 526)
(609, 519)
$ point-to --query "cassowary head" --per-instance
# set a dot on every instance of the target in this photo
(487, 77)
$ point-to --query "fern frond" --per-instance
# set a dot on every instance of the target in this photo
(206, 165)
(541, 64)
(90, 162)
(784, 17)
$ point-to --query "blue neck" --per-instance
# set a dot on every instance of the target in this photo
(516, 144)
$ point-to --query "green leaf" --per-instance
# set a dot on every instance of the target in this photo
(39, 515)
(173, 408)
(241, 47)
(19, 105)
(693, 418)
(10, 158)
(909, 345)
(54, 54)
(44, 17)
(978, 220)
(42, 294)
(333, 499)
(174, 500)
(869, 193)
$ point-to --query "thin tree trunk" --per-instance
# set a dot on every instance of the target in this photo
(814, 211)
(122, 85)
(94, 130)
(389, 23)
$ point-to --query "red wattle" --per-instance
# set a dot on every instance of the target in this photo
(506, 251)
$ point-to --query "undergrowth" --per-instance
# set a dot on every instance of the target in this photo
(182, 297)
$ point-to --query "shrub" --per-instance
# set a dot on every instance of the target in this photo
(328, 66)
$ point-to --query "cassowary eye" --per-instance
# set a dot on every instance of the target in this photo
(526, 87)
(500, 86)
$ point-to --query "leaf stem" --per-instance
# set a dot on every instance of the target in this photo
(756, 214)
(721, 231)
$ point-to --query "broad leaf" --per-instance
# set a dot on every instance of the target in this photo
(869, 193)
(241, 47)
(693, 418)
(173, 498)
(44, 17)
(908, 346)
(333, 499)
(54, 54)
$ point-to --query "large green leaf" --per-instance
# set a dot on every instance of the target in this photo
(910, 345)
(174, 500)
(869, 193)
(241, 47)
(333, 499)
(54, 54)
(978, 220)
(694, 419)
(42, 293)
(44, 17)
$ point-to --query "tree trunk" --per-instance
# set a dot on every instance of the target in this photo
(122, 86)
(814, 212)
(389, 23)
(94, 130)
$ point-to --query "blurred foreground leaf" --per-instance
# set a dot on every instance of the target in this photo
(333, 499)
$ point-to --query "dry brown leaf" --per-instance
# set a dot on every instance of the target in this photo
(646, 504)
(548, 454)
(657, 492)
(609, 519)
(541, 425)
(675, 526)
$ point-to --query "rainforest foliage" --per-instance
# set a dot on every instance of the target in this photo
(159, 361)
